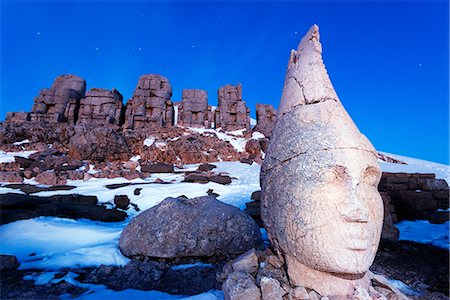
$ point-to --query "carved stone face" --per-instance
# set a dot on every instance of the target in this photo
(338, 213)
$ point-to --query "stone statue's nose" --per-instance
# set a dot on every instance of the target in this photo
(355, 209)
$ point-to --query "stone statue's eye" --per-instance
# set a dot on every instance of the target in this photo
(334, 174)
(372, 176)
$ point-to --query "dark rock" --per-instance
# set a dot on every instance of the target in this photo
(31, 189)
(256, 196)
(137, 191)
(437, 217)
(121, 201)
(221, 179)
(180, 227)
(211, 192)
(246, 161)
(24, 162)
(389, 230)
(195, 177)
(67, 167)
(15, 207)
(8, 262)
(264, 143)
(418, 201)
(157, 168)
(206, 167)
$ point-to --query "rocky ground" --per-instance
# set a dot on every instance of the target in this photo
(423, 267)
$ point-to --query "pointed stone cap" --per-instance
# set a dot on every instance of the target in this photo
(311, 117)
(307, 80)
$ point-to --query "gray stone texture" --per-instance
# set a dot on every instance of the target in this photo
(180, 227)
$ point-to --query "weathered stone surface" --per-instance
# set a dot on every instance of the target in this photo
(266, 116)
(271, 289)
(150, 106)
(17, 117)
(194, 110)
(10, 176)
(247, 262)
(389, 231)
(231, 113)
(298, 293)
(320, 202)
(179, 227)
(99, 106)
(51, 103)
(240, 286)
(98, 144)
(8, 262)
(415, 196)
(48, 178)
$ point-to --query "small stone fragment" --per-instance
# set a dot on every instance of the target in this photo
(247, 262)
(240, 286)
(271, 289)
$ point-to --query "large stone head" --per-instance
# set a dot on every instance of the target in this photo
(320, 202)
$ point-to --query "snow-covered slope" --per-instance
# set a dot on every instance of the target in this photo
(415, 165)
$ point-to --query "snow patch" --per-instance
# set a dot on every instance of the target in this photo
(424, 232)
(175, 114)
(403, 287)
(6, 157)
(235, 138)
(135, 158)
(54, 243)
(22, 142)
(149, 141)
(415, 165)
(188, 266)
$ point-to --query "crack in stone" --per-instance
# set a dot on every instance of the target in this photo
(308, 101)
(319, 150)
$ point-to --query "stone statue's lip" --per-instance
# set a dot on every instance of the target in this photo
(358, 240)
(358, 243)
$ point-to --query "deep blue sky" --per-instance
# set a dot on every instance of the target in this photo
(389, 61)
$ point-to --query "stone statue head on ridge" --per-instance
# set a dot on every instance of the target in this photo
(320, 202)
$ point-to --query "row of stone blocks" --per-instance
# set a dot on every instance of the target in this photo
(150, 107)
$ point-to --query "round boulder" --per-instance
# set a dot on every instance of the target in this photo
(198, 227)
